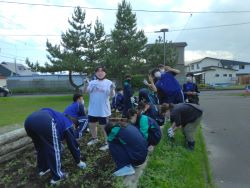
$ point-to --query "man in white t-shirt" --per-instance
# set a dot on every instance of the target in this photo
(100, 90)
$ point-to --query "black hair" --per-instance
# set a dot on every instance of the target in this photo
(190, 74)
(108, 128)
(132, 112)
(161, 66)
(119, 89)
(100, 67)
(152, 72)
(127, 76)
(76, 96)
(141, 105)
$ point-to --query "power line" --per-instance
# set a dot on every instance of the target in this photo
(184, 27)
(205, 27)
(135, 10)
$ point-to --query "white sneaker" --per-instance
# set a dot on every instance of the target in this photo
(104, 148)
(125, 171)
(54, 182)
(42, 173)
(92, 141)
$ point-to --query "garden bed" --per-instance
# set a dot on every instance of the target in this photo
(21, 171)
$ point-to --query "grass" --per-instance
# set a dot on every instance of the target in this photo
(41, 90)
(15, 109)
(172, 165)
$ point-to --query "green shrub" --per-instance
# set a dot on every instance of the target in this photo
(137, 81)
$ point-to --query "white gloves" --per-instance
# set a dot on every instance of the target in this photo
(145, 82)
(170, 132)
(132, 99)
(82, 165)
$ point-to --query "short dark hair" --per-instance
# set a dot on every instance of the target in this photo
(190, 74)
(152, 72)
(76, 96)
(132, 112)
(127, 76)
(141, 105)
(161, 66)
(100, 67)
(119, 89)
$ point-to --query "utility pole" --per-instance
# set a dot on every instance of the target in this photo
(164, 30)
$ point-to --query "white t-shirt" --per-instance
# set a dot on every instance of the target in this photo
(99, 92)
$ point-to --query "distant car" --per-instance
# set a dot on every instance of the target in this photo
(247, 89)
(4, 91)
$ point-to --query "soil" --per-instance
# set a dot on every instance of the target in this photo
(21, 171)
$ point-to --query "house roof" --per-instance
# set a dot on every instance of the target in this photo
(17, 68)
(224, 62)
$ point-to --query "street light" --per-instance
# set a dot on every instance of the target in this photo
(164, 30)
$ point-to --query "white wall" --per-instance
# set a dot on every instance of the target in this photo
(246, 69)
(204, 63)
(2, 82)
(210, 77)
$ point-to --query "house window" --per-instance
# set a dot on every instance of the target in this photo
(230, 75)
(217, 75)
(224, 75)
(197, 66)
(241, 66)
(192, 67)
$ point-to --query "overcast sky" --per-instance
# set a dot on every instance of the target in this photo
(223, 42)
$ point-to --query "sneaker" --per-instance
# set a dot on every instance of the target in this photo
(42, 173)
(125, 171)
(54, 182)
(104, 147)
(92, 141)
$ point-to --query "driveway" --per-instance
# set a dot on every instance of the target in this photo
(227, 132)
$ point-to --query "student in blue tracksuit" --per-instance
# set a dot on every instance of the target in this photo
(190, 90)
(148, 127)
(76, 113)
(127, 147)
(127, 93)
(47, 128)
(167, 84)
(117, 100)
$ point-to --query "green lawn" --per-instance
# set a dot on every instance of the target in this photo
(171, 165)
(15, 109)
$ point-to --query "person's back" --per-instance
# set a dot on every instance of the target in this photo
(75, 110)
(184, 113)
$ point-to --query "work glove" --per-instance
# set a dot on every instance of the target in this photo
(145, 82)
(132, 99)
(170, 132)
(81, 165)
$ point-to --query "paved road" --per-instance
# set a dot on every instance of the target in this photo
(227, 133)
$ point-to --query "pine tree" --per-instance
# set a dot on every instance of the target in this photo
(80, 49)
(126, 43)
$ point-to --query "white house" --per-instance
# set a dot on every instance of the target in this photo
(219, 71)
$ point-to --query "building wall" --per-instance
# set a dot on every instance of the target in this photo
(204, 63)
(2, 82)
(211, 78)
(43, 81)
(246, 69)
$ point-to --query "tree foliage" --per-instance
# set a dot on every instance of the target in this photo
(80, 50)
(155, 53)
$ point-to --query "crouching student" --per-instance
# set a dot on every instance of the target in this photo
(127, 147)
(117, 100)
(76, 113)
(188, 117)
(148, 127)
(47, 128)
